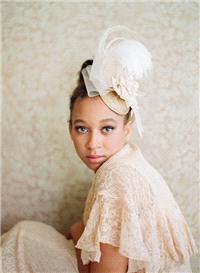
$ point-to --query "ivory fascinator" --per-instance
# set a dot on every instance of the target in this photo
(120, 61)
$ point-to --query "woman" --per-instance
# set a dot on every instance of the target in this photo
(131, 222)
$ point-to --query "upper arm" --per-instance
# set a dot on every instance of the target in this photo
(111, 261)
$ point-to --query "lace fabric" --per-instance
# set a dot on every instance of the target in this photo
(130, 206)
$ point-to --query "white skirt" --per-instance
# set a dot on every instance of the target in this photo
(32, 246)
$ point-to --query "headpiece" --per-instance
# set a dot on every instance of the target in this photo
(120, 61)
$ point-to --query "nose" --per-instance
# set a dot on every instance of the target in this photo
(94, 140)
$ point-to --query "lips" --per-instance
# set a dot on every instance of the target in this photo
(94, 159)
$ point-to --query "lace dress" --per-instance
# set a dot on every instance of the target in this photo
(129, 206)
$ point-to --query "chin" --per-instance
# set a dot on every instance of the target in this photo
(93, 167)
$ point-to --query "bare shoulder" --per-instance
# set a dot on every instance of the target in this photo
(111, 261)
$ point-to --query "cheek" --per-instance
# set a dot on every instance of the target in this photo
(120, 134)
(116, 140)
(75, 139)
(79, 143)
(79, 148)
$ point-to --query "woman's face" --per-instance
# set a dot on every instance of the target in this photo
(97, 132)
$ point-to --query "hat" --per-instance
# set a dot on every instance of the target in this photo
(120, 61)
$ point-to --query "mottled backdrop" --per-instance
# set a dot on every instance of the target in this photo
(44, 45)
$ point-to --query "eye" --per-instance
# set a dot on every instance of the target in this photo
(108, 129)
(81, 129)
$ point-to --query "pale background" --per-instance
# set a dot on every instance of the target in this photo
(44, 45)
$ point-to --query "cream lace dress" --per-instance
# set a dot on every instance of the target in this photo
(129, 206)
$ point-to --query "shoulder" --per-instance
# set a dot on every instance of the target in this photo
(119, 170)
(122, 177)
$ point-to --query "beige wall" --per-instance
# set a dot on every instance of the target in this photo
(44, 45)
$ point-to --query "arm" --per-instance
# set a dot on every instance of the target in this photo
(75, 232)
(111, 261)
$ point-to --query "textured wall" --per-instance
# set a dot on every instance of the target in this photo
(44, 44)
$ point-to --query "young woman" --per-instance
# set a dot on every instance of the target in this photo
(131, 221)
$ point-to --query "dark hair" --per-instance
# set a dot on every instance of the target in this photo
(80, 91)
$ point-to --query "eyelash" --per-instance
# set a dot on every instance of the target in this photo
(108, 127)
(78, 128)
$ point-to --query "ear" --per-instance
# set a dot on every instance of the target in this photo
(128, 127)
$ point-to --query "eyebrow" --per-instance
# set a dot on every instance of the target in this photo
(103, 120)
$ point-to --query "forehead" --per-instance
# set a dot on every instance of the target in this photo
(93, 109)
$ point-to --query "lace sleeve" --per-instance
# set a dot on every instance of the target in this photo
(126, 212)
(114, 218)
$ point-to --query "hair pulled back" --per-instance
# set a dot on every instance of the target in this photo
(80, 91)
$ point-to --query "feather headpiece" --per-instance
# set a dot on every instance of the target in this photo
(120, 61)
